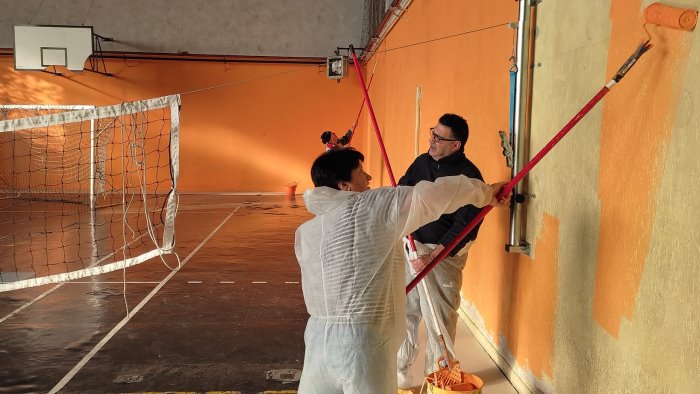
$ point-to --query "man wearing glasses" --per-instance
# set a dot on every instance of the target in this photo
(444, 158)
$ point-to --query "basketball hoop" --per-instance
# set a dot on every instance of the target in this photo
(39, 47)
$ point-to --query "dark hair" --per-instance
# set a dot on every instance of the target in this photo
(335, 166)
(325, 137)
(459, 127)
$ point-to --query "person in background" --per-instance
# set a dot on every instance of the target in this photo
(331, 140)
(352, 268)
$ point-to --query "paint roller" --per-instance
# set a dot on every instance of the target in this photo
(669, 16)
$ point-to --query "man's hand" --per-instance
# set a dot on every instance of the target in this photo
(421, 262)
(503, 202)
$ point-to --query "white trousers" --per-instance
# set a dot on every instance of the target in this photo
(342, 359)
(444, 283)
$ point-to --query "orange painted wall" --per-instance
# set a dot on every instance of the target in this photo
(57, 158)
(458, 53)
(244, 127)
(533, 302)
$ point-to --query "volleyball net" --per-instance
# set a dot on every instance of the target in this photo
(84, 190)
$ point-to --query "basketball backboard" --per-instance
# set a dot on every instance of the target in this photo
(37, 47)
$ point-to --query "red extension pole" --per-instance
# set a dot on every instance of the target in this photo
(521, 174)
(385, 157)
(508, 187)
(371, 114)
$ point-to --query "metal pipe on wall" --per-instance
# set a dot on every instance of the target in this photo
(527, 23)
(416, 134)
(393, 14)
(186, 57)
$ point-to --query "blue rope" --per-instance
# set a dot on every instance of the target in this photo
(512, 104)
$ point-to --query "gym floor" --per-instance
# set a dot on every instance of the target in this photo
(231, 319)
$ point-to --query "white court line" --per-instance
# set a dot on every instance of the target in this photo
(111, 283)
(51, 290)
(292, 283)
(23, 307)
(203, 212)
(259, 282)
(194, 281)
(138, 307)
(227, 281)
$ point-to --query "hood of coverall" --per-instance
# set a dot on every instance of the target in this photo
(323, 199)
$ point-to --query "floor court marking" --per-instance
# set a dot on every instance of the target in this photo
(227, 282)
(199, 392)
(216, 392)
(62, 383)
(111, 282)
(25, 306)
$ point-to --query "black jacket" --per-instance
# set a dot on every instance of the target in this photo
(446, 228)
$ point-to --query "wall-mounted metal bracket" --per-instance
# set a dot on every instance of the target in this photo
(54, 72)
(523, 248)
(97, 56)
(347, 50)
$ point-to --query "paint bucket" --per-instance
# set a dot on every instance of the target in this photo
(471, 384)
(291, 189)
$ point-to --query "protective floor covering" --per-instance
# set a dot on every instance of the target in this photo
(233, 312)
(229, 316)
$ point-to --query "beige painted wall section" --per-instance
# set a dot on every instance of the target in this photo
(624, 188)
(571, 53)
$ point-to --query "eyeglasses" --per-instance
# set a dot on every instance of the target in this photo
(437, 138)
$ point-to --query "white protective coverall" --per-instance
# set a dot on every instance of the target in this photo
(352, 272)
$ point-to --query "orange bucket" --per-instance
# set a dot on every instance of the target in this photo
(471, 384)
(291, 189)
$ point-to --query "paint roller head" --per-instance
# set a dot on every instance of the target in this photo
(669, 16)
